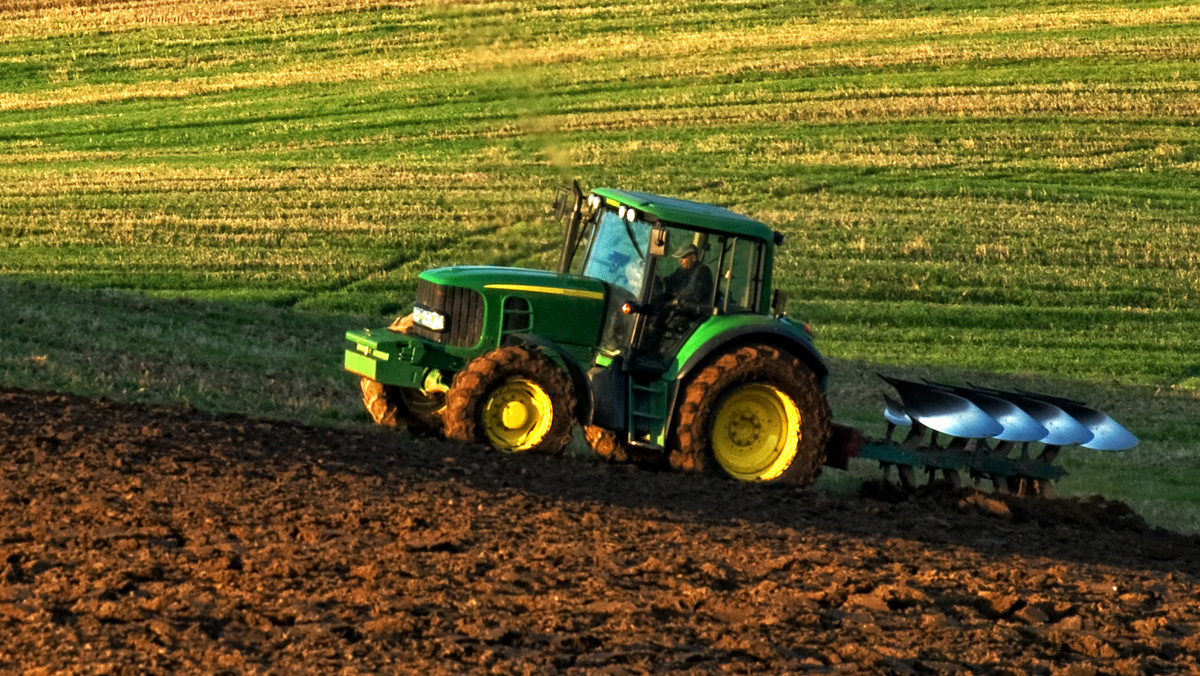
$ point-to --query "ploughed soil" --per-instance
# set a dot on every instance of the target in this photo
(141, 539)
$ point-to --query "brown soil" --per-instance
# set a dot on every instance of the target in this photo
(138, 539)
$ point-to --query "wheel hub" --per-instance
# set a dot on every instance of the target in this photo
(423, 403)
(745, 427)
(514, 415)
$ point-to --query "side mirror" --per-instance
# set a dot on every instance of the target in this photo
(568, 208)
(659, 241)
(779, 302)
(567, 200)
(560, 202)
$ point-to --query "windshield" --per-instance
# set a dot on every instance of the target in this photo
(617, 252)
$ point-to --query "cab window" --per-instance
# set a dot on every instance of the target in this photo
(616, 251)
(741, 276)
(687, 274)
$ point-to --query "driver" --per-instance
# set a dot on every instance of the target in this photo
(692, 283)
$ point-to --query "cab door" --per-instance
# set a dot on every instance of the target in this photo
(666, 319)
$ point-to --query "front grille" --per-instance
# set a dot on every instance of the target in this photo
(518, 318)
(462, 308)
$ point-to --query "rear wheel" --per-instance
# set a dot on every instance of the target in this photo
(758, 413)
(513, 399)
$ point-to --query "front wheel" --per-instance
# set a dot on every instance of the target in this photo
(513, 399)
(759, 414)
(392, 406)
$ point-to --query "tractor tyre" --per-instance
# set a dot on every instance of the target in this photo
(514, 399)
(758, 413)
(402, 407)
(382, 402)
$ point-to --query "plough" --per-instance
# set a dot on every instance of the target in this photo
(1008, 438)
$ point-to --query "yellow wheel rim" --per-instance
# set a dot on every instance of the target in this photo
(756, 432)
(517, 416)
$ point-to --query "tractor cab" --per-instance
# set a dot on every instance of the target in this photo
(667, 277)
(685, 282)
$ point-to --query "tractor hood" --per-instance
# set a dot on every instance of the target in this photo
(489, 279)
(566, 309)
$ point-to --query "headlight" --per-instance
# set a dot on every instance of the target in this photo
(428, 318)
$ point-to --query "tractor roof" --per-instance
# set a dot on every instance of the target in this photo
(694, 214)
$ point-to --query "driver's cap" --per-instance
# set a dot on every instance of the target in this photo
(687, 249)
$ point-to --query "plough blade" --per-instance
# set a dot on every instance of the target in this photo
(1075, 423)
(1018, 425)
(1061, 428)
(944, 411)
(1107, 434)
(894, 412)
(971, 415)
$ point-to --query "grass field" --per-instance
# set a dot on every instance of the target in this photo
(196, 199)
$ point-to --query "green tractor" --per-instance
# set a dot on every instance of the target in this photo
(660, 334)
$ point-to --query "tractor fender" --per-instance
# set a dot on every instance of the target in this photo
(786, 336)
(732, 332)
(575, 370)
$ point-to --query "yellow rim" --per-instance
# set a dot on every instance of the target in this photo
(756, 432)
(518, 415)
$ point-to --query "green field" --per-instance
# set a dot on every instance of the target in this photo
(197, 199)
